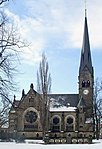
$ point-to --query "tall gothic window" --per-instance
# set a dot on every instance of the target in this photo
(56, 124)
(83, 83)
(69, 124)
(88, 83)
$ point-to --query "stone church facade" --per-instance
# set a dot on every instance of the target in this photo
(70, 116)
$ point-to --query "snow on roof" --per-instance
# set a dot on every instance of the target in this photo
(63, 108)
(57, 100)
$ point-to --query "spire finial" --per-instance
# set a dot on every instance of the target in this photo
(85, 8)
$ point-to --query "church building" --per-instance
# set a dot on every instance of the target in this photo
(70, 116)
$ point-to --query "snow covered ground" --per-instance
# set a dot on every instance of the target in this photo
(39, 145)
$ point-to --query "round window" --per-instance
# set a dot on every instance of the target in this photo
(31, 116)
(69, 120)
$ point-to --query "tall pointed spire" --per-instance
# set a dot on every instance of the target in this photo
(85, 53)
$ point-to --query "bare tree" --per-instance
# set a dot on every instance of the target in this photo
(3, 1)
(10, 42)
(97, 106)
(44, 88)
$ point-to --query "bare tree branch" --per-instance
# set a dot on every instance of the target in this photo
(97, 106)
(3, 1)
(10, 43)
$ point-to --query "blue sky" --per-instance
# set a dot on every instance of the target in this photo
(56, 27)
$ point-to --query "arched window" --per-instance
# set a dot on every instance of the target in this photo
(69, 123)
(83, 83)
(55, 120)
(56, 124)
(30, 120)
(88, 83)
(69, 120)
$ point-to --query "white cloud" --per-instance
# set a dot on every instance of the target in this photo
(65, 17)
(48, 23)
(95, 24)
(31, 31)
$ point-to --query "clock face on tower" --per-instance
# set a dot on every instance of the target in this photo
(85, 92)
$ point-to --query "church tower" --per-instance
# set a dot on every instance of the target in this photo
(86, 74)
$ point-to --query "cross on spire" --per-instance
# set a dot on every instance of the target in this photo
(85, 8)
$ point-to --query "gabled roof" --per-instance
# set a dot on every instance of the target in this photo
(85, 53)
(64, 101)
(58, 102)
(31, 93)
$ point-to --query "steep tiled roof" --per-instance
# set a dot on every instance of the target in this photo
(68, 100)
